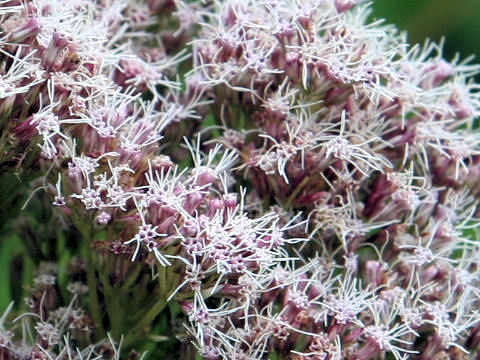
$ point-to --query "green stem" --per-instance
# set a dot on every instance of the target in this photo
(91, 280)
(162, 281)
(297, 190)
(148, 318)
(112, 302)
(131, 277)
(93, 295)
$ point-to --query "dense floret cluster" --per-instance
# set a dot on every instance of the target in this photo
(271, 179)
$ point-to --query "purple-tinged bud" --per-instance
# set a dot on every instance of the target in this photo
(473, 340)
(179, 190)
(270, 296)
(75, 176)
(461, 105)
(162, 162)
(306, 15)
(429, 274)
(131, 219)
(209, 353)
(337, 328)
(352, 336)
(186, 306)
(301, 320)
(28, 30)
(278, 59)
(293, 65)
(137, 73)
(57, 43)
(214, 206)
(387, 297)
(161, 6)
(7, 104)
(229, 45)
(344, 5)
(38, 354)
(230, 200)
(167, 224)
(375, 274)
(369, 350)
(193, 201)
(190, 228)
(434, 347)
(93, 64)
(437, 73)
(273, 240)
(204, 175)
(316, 292)
(25, 131)
(406, 199)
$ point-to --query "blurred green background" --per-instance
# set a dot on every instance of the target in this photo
(458, 21)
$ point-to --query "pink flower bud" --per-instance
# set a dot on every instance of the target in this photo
(28, 30)
(345, 5)
(214, 206)
(375, 273)
(230, 200)
(57, 43)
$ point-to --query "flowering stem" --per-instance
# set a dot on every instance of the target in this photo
(131, 277)
(92, 287)
(91, 280)
(111, 302)
(162, 281)
(295, 193)
(137, 330)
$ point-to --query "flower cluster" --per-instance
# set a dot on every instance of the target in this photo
(284, 178)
